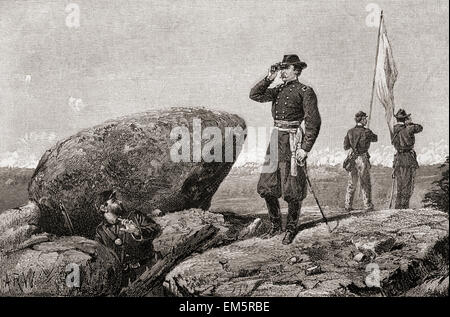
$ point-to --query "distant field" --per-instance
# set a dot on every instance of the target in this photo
(13, 186)
(237, 192)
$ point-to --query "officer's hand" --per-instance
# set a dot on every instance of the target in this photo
(272, 74)
(118, 241)
(301, 156)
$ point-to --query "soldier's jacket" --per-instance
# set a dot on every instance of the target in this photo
(292, 101)
(403, 141)
(359, 138)
(132, 248)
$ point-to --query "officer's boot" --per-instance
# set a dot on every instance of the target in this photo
(407, 197)
(292, 219)
(399, 200)
(273, 206)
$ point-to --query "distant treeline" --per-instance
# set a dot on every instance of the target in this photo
(15, 174)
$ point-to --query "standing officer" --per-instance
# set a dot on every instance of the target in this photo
(358, 139)
(405, 160)
(292, 102)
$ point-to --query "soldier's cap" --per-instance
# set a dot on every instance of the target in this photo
(401, 114)
(107, 194)
(360, 115)
(293, 59)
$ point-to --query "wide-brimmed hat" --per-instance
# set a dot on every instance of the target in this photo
(401, 114)
(293, 59)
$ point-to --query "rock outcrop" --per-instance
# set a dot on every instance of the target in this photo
(178, 227)
(17, 225)
(382, 253)
(46, 265)
(183, 234)
(131, 155)
(33, 263)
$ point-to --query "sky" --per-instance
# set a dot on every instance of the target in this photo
(130, 56)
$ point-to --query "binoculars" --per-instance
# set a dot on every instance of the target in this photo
(278, 66)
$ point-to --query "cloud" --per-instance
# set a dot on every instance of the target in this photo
(76, 104)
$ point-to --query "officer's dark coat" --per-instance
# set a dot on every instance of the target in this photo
(292, 101)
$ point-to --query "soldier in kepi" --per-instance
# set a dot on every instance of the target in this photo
(358, 139)
(405, 160)
(129, 234)
(292, 103)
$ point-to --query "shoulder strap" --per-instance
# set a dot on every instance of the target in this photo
(356, 143)
(396, 134)
(303, 88)
(109, 233)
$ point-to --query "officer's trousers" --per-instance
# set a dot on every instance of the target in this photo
(280, 183)
(404, 177)
(294, 207)
(361, 174)
(272, 186)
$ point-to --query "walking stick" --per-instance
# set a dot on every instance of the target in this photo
(315, 197)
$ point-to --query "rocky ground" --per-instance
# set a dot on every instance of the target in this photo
(51, 266)
(383, 253)
(36, 263)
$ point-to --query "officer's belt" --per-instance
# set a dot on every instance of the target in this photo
(405, 151)
(288, 125)
(295, 139)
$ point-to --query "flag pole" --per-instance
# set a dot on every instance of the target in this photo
(375, 69)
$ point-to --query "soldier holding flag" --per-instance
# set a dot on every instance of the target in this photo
(358, 139)
(405, 160)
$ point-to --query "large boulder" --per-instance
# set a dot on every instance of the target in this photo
(380, 253)
(131, 155)
(46, 265)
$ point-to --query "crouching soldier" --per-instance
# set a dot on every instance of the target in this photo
(129, 234)
(358, 139)
(292, 102)
(405, 160)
